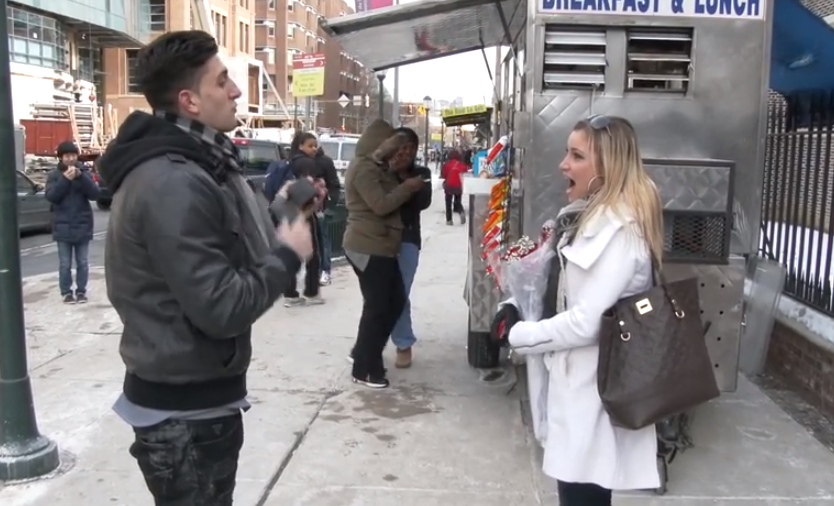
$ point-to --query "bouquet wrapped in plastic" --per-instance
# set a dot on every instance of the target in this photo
(522, 272)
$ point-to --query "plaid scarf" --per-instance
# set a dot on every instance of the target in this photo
(228, 169)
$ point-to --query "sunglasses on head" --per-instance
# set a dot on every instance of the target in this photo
(599, 121)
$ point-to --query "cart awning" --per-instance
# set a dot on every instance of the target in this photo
(426, 30)
(802, 51)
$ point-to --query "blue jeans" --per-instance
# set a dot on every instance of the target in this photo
(403, 334)
(324, 243)
(66, 250)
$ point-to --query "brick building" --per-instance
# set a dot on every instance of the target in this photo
(233, 22)
(284, 28)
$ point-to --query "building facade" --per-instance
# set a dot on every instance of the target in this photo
(286, 28)
(233, 24)
(56, 48)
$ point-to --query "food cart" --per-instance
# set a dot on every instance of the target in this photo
(691, 75)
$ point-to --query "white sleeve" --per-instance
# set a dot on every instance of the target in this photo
(605, 281)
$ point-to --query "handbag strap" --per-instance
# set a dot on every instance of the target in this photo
(657, 275)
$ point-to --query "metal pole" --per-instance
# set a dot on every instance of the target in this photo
(395, 101)
(295, 113)
(24, 452)
(381, 96)
(308, 114)
(426, 140)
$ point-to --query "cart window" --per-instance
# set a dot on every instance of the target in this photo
(659, 60)
(574, 58)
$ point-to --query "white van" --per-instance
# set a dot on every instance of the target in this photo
(341, 150)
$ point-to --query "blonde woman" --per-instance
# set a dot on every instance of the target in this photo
(611, 236)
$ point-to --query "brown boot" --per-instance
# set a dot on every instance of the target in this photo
(403, 359)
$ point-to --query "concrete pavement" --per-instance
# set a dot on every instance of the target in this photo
(439, 436)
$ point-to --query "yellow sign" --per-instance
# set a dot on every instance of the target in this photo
(464, 111)
(308, 75)
(436, 137)
(421, 110)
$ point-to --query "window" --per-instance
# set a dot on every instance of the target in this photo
(331, 149)
(271, 5)
(257, 157)
(270, 55)
(290, 5)
(220, 28)
(659, 60)
(24, 185)
(348, 151)
(290, 30)
(89, 65)
(156, 15)
(243, 36)
(132, 81)
(37, 40)
(270, 31)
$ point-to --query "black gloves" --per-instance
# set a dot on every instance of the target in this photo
(504, 320)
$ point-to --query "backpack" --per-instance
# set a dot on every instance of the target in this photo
(277, 175)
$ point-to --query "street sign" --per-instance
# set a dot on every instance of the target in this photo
(421, 110)
(308, 75)
(343, 100)
(358, 101)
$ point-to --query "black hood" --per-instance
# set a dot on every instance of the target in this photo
(142, 137)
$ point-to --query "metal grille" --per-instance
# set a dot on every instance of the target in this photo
(696, 238)
(797, 229)
(574, 58)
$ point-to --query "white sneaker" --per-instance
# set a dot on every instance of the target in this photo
(325, 279)
(294, 301)
(314, 301)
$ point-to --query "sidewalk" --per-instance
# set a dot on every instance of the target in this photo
(440, 436)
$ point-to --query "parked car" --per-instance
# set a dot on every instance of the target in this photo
(34, 211)
(341, 149)
(257, 154)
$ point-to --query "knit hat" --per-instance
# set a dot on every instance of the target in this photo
(67, 147)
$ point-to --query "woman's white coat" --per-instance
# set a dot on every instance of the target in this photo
(606, 262)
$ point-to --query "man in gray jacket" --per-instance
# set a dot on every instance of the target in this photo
(192, 261)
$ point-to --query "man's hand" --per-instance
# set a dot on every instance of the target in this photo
(71, 173)
(502, 323)
(296, 235)
(414, 183)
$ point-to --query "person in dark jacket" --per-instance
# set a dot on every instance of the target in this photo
(70, 188)
(303, 164)
(403, 334)
(192, 260)
(327, 171)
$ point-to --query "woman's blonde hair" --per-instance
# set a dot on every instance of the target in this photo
(619, 166)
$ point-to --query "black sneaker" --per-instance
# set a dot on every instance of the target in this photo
(69, 299)
(372, 382)
(81, 298)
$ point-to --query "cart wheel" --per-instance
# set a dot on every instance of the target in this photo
(481, 352)
(663, 471)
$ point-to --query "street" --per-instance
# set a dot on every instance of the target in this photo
(39, 255)
(443, 434)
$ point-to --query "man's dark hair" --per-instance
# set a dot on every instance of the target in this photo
(410, 134)
(172, 63)
(299, 140)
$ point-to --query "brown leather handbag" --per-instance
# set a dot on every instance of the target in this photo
(653, 357)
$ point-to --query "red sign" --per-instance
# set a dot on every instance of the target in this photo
(308, 61)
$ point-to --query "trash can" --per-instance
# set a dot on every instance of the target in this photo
(336, 222)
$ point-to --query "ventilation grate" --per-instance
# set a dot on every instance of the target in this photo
(659, 60)
(574, 58)
(696, 238)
